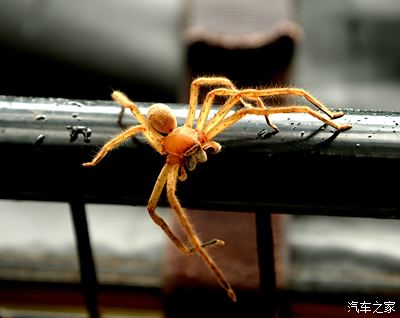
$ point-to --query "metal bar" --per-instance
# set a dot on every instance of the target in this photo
(306, 168)
(266, 263)
(86, 262)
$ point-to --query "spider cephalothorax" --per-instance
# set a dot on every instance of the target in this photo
(183, 145)
(186, 146)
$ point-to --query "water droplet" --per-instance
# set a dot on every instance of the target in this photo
(294, 128)
(39, 139)
(76, 115)
(74, 103)
(358, 145)
(40, 117)
(86, 132)
(302, 134)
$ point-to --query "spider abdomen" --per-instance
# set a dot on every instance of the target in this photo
(182, 141)
(161, 118)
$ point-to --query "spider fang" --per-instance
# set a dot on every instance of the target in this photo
(198, 156)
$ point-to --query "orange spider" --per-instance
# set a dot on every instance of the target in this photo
(186, 146)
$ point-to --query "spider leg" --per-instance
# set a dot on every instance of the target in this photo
(182, 176)
(227, 122)
(153, 136)
(114, 142)
(121, 115)
(261, 104)
(173, 200)
(230, 90)
(152, 205)
(208, 102)
(253, 93)
(212, 147)
(230, 103)
(233, 99)
(256, 95)
(194, 93)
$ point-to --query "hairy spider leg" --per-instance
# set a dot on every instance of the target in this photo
(229, 121)
(173, 200)
(229, 104)
(152, 135)
(195, 90)
(252, 93)
(212, 147)
(260, 103)
(256, 95)
(151, 208)
(114, 142)
(209, 100)
(194, 96)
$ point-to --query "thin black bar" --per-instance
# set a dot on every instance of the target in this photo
(266, 263)
(87, 266)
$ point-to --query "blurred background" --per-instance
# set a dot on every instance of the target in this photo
(346, 52)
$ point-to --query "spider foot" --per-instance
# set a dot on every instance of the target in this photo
(87, 164)
(344, 127)
(121, 116)
(213, 242)
(264, 134)
(337, 115)
(207, 244)
(232, 295)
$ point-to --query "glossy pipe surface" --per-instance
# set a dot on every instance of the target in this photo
(306, 168)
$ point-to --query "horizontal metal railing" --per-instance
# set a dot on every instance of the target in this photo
(306, 168)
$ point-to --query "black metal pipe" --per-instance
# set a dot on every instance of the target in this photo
(306, 168)
(266, 263)
(86, 263)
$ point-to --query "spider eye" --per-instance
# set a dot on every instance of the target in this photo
(161, 118)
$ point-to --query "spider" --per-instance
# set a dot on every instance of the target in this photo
(186, 146)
